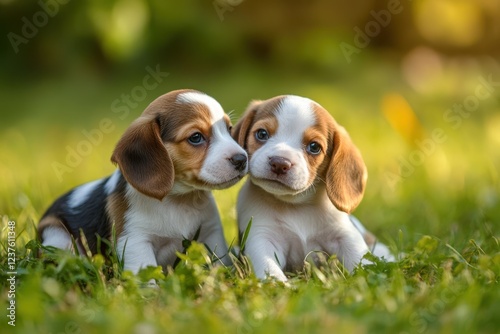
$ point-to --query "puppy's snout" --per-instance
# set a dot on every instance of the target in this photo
(239, 161)
(279, 165)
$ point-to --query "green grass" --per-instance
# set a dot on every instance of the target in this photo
(443, 219)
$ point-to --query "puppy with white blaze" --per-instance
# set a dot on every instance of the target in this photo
(169, 160)
(306, 176)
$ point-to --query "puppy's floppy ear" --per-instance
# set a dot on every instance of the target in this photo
(143, 159)
(346, 175)
(240, 130)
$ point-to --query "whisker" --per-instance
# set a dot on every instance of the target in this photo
(320, 179)
(231, 115)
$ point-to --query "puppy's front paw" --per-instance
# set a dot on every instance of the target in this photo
(278, 277)
(152, 284)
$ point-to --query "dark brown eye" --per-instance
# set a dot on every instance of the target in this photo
(196, 139)
(313, 148)
(262, 135)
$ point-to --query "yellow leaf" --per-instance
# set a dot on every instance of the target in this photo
(402, 118)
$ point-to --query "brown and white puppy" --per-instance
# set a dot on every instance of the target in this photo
(306, 176)
(169, 159)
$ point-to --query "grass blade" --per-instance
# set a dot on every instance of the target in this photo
(245, 235)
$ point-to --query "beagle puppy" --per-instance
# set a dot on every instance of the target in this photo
(306, 176)
(168, 160)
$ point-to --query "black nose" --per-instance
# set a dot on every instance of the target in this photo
(239, 161)
(279, 165)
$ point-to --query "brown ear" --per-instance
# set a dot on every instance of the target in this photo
(346, 175)
(240, 130)
(143, 158)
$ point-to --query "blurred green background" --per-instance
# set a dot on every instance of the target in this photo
(416, 84)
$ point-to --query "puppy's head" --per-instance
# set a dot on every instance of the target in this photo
(181, 138)
(294, 144)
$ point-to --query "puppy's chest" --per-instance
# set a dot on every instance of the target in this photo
(165, 220)
(303, 234)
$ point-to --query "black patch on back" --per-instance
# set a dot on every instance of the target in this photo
(90, 216)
